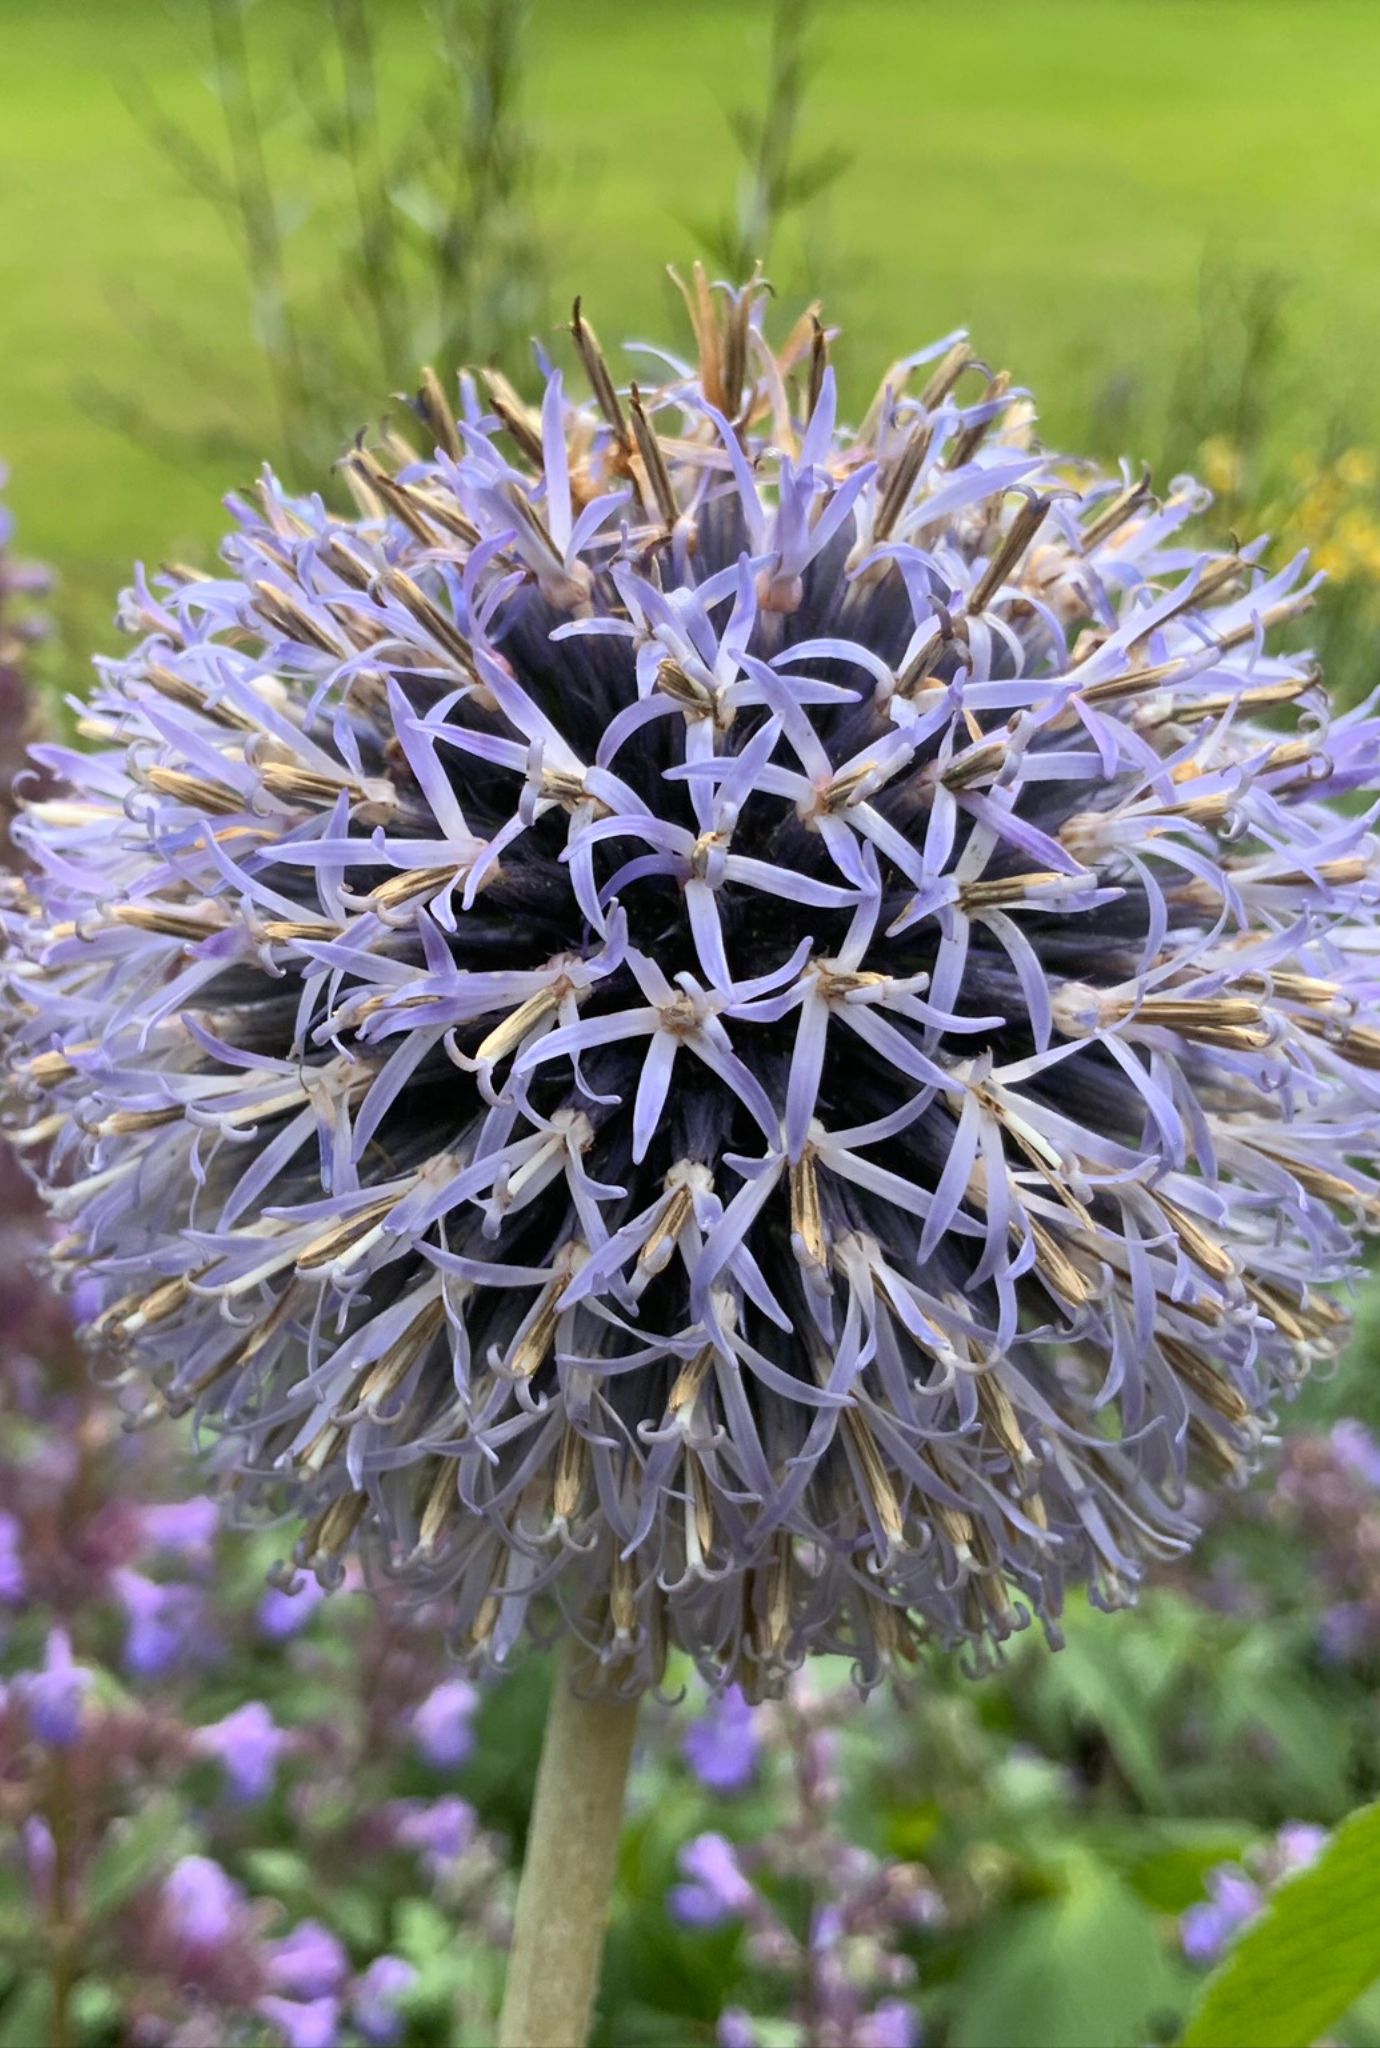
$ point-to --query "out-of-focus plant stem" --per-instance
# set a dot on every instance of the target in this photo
(569, 1866)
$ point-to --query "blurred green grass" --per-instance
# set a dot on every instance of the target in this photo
(1054, 174)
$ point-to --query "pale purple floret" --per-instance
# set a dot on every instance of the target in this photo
(722, 1745)
(310, 1962)
(441, 1725)
(248, 1745)
(53, 1695)
(166, 1625)
(377, 1999)
(702, 1027)
(302, 2023)
(281, 1613)
(13, 1578)
(716, 1887)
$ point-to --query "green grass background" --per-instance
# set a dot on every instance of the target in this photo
(1054, 174)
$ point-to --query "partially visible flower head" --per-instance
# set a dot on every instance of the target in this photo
(708, 1027)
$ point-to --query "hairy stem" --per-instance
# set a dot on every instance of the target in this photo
(567, 1877)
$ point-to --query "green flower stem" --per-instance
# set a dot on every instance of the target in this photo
(567, 1877)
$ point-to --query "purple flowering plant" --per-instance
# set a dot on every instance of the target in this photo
(706, 1028)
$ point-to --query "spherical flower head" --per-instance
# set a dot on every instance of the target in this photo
(705, 1027)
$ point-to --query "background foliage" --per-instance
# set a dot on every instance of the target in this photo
(230, 233)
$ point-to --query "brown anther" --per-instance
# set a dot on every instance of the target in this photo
(126, 1123)
(687, 691)
(516, 1026)
(307, 785)
(597, 371)
(349, 1231)
(521, 421)
(440, 1502)
(532, 1349)
(999, 1414)
(659, 483)
(572, 1467)
(169, 922)
(1056, 1269)
(875, 1478)
(284, 930)
(807, 1220)
(1203, 1380)
(689, 1380)
(702, 1504)
(408, 886)
(819, 363)
(965, 445)
(338, 1524)
(286, 616)
(623, 1597)
(435, 409)
(196, 790)
(946, 374)
(431, 618)
(1115, 514)
(676, 1212)
(1216, 1263)
(323, 1447)
(1012, 546)
(1002, 890)
(900, 481)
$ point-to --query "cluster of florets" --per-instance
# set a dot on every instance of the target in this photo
(710, 1028)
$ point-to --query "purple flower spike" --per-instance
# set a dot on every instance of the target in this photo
(722, 1746)
(309, 2023)
(376, 2001)
(248, 1745)
(308, 1963)
(53, 1696)
(710, 1028)
(441, 1726)
(716, 1889)
(282, 1614)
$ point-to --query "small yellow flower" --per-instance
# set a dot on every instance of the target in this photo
(1222, 464)
(1358, 468)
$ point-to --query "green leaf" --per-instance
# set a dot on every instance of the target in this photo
(1084, 1970)
(1309, 1957)
(133, 1851)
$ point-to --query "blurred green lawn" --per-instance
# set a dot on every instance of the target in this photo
(1053, 173)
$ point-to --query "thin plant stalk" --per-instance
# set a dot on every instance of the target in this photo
(569, 1868)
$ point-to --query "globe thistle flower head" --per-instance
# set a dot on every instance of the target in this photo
(706, 1028)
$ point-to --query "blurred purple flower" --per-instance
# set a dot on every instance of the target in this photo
(1207, 1929)
(736, 2029)
(167, 1624)
(440, 1726)
(314, 2023)
(308, 1963)
(1357, 1450)
(53, 1696)
(717, 1888)
(892, 2024)
(40, 1857)
(203, 1908)
(183, 1529)
(282, 1614)
(13, 1579)
(247, 1744)
(1298, 1844)
(722, 1745)
(375, 2003)
(438, 1831)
